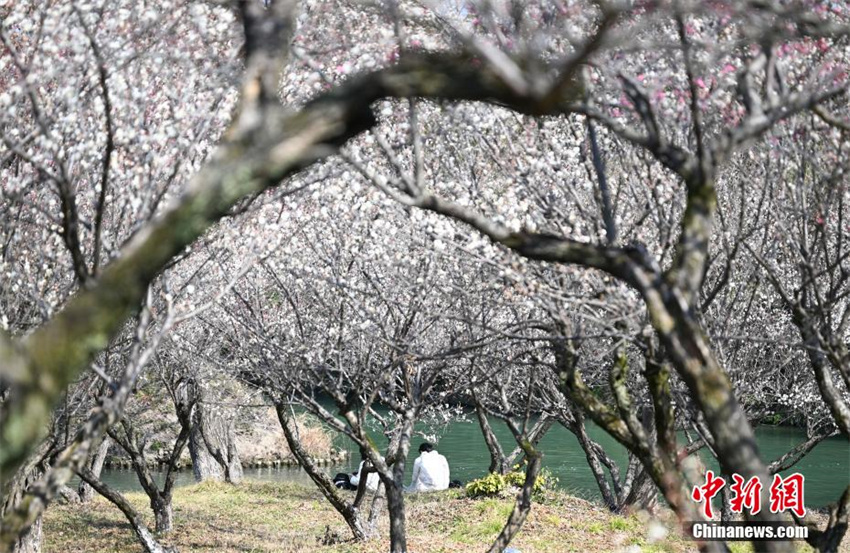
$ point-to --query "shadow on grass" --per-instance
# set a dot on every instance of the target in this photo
(106, 524)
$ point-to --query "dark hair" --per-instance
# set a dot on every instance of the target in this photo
(425, 447)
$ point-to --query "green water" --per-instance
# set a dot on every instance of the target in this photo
(826, 468)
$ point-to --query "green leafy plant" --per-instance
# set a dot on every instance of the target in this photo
(545, 480)
(495, 484)
(492, 484)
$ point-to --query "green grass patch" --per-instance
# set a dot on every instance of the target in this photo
(273, 517)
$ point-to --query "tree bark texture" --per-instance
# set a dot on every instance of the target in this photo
(95, 465)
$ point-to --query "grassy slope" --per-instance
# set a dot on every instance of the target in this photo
(283, 518)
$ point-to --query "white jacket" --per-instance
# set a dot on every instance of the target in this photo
(430, 473)
(372, 480)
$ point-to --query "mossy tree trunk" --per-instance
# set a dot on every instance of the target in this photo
(622, 492)
(30, 542)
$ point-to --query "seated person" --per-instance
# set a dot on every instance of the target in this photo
(372, 479)
(342, 481)
(430, 471)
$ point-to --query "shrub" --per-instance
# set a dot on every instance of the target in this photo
(495, 484)
(492, 484)
(545, 480)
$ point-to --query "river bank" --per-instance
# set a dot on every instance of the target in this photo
(826, 468)
(334, 458)
(265, 454)
(287, 518)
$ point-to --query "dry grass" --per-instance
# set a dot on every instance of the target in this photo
(284, 518)
(288, 518)
(266, 440)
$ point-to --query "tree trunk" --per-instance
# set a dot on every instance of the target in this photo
(95, 465)
(204, 465)
(595, 464)
(540, 428)
(394, 482)
(233, 473)
(30, 542)
(375, 512)
(830, 393)
(163, 515)
(829, 539)
(160, 498)
(13, 493)
(498, 463)
(351, 513)
(523, 503)
(395, 506)
(726, 502)
(143, 533)
(642, 494)
(637, 492)
(689, 350)
(218, 438)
